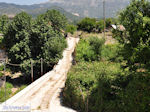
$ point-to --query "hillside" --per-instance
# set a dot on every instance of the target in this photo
(92, 8)
(34, 10)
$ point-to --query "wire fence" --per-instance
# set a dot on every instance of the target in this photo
(5, 62)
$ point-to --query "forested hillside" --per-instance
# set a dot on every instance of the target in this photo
(34, 10)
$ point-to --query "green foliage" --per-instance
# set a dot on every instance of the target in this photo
(106, 87)
(2, 42)
(84, 79)
(71, 29)
(55, 19)
(89, 49)
(53, 49)
(1, 67)
(16, 38)
(112, 52)
(9, 86)
(1, 74)
(87, 24)
(3, 23)
(84, 51)
(100, 25)
(92, 25)
(40, 33)
(136, 19)
(26, 39)
(109, 21)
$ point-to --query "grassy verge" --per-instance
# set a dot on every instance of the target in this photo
(9, 91)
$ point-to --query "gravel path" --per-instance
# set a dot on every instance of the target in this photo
(45, 97)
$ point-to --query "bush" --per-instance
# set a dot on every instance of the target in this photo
(87, 24)
(112, 52)
(53, 50)
(107, 88)
(92, 81)
(84, 51)
(71, 29)
(89, 49)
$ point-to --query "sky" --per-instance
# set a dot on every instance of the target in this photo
(24, 2)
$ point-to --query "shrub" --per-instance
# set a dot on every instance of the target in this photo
(96, 45)
(53, 50)
(89, 49)
(87, 24)
(84, 51)
(71, 29)
(112, 52)
(92, 81)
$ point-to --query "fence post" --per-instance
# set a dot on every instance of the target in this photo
(31, 71)
(5, 78)
(41, 66)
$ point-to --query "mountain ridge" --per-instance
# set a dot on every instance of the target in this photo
(73, 8)
(11, 9)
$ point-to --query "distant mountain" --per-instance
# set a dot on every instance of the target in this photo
(71, 8)
(91, 8)
(34, 10)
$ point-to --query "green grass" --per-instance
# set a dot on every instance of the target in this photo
(9, 86)
(9, 93)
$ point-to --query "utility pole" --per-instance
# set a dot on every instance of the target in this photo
(104, 17)
(31, 71)
(41, 66)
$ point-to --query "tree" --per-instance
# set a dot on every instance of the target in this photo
(136, 39)
(16, 38)
(55, 19)
(40, 33)
(29, 40)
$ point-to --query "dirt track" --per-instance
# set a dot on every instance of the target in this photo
(47, 97)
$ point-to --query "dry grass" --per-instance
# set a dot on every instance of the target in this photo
(109, 39)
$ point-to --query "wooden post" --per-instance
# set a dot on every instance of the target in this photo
(104, 17)
(41, 66)
(32, 71)
(5, 78)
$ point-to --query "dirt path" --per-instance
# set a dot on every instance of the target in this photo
(45, 97)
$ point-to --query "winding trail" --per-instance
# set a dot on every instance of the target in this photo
(43, 95)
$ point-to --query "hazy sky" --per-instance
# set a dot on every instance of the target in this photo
(24, 2)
